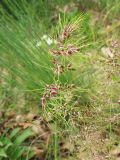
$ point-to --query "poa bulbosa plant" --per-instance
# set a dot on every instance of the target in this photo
(50, 68)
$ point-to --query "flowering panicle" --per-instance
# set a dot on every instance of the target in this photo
(69, 50)
(62, 50)
(66, 33)
(50, 92)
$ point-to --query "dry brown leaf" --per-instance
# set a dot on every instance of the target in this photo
(24, 125)
(36, 127)
(30, 116)
(107, 52)
(10, 114)
(116, 152)
(20, 118)
(39, 152)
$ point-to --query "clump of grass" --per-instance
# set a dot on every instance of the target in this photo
(31, 67)
(59, 83)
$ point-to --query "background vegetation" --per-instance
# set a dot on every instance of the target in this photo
(59, 79)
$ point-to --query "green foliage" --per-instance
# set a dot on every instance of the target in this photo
(53, 151)
(29, 67)
(12, 147)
